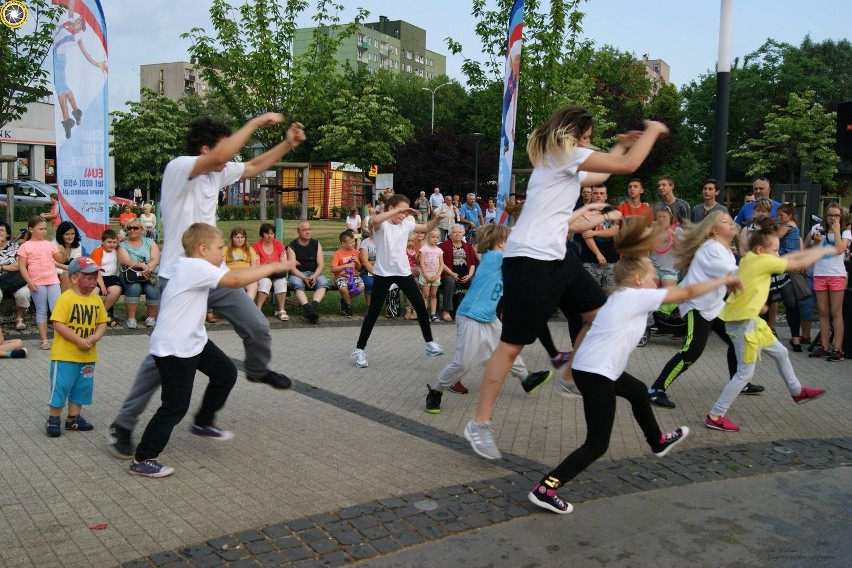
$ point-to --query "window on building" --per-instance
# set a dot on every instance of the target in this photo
(24, 166)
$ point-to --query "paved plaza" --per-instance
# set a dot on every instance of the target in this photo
(347, 467)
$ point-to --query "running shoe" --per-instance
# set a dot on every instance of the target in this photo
(79, 423)
(836, 355)
(433, 349)
(458, 388)
(211, 433)
(722, 423)
(567, 390)
(661, 399)
(433, 401)
(54, 426)
(561, 358)
(533, 381)
(752, 389)
(360, 358)
(821, 354)
(481, 438)
(120, 443)
(807, 394)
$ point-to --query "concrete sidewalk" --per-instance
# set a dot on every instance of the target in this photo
(342, 467)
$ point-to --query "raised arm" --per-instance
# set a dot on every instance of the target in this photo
(628, 162)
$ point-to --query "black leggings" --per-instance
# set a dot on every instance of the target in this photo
(178, 375)
(599, 394)
(408, 286)
(694, 341)
(791, 307)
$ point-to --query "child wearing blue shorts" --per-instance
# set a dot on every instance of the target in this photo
(79, 322)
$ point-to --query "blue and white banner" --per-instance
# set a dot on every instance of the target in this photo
(510, 106)
(82, 121)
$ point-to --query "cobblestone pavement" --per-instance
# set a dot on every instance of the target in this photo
(348, 465)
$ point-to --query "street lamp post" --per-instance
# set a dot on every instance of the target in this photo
(477, 137)
(433, 100)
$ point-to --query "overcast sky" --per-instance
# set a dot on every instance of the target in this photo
(684, 33)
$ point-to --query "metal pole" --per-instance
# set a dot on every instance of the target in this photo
(723, 89)
(433, 91)
(477, 137)
(10, 188)
(306, 180)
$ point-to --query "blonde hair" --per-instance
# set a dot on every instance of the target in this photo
(199, 234)
(489, 236)
(693, 236)
(559, 135)
(634, 242)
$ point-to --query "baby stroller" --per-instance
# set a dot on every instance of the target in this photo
(665, 321)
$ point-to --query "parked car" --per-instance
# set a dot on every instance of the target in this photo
(28, 192)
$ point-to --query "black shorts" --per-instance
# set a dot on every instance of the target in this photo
(110, 281)
(532, 289)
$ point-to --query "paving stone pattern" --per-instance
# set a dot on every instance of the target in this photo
(377, 527)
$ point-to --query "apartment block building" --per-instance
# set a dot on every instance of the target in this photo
(395, 45)
(174, 80)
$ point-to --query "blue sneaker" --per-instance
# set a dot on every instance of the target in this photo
(150, 468)
(211, 433)
(79, 423)
(54, 426)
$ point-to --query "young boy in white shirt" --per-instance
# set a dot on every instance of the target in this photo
(180, 347)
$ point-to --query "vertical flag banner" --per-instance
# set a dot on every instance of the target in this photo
(510, 107)
(80, 88)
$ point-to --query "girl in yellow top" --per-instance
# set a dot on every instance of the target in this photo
(748, 331)
(238, 254)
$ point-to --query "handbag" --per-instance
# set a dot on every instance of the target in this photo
(800, 286)
(11, 282)
(134, 276)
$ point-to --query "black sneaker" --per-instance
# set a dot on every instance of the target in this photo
(54, 426)
(274, 379)
(433, 401)
(752, 389)
(120, 444)
(836, 355)
(79, 423)
(533, 381)
(548, 499)
(348, 311)
(661, 399)
(821, 354)
(669, 441)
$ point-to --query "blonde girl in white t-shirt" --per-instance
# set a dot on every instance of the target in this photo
(539, 274)
(599, 363)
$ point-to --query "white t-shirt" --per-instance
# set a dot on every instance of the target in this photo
(552, 192)
(180, 322)
(711, 260)
(186, 201)
(391, 239)
(616, 331)
(109, 263)
(830, 265)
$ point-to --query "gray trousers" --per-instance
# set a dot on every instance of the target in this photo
(745, 371)
(251, 325)
(475, 342)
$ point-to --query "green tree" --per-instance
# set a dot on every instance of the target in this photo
(795, 138)
(551, 73)
(23, 77)
(145, 138)
(365, 129)
(248, 61)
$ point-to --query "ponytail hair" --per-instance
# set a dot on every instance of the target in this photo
(764, 230)
(634, 242)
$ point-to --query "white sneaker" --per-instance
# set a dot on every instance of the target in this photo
(360, 358)
(130, 324)
(150, 322)
(567, 390)
(433, 349)
(481, 438)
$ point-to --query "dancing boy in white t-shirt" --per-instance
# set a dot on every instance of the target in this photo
(180, 347)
